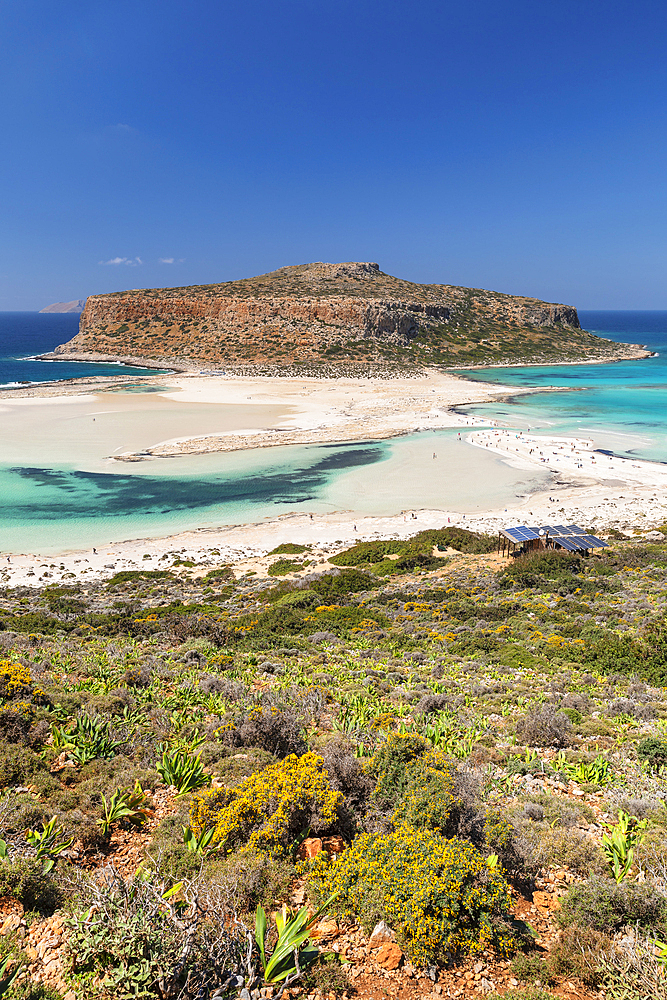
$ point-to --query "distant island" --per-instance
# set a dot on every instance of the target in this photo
(333, 313)
(75, 306)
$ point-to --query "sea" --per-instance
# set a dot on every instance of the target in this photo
(23, 335)
(622, 406)
(55, 506)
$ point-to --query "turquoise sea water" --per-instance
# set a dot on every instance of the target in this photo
(623, 406)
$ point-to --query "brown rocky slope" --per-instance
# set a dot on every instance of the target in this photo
(332, 313)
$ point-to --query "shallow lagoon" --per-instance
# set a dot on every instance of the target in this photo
(51, 508)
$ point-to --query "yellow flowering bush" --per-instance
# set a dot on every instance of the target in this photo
(440, 896)
(15, 681)
(268, 810)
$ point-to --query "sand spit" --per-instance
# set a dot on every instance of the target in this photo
(324, 410)
(590, 487)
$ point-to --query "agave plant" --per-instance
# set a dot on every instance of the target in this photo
(620, 841)
(48, 843)
(179, 768)
(88, 740)
(127, 804)
(199, 845)
(289, 958)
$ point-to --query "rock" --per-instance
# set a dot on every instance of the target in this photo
(545, 902)
(10, 923)
(389, 956)
(324, 929)
(310, 848)
(333, 845)
(382, 934)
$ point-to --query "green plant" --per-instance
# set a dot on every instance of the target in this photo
(620, 841)
(289, 549)
(199, 845)
(127, 804)
(147, 938)
(654, 751)
(48, 843)
(289, 959)
(25, 879)
(597, 772)
(8, 975)
(87, 740)
(283, 566)
(182, 770)
(606, 905)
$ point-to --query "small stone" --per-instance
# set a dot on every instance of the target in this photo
(389, 956)
(382, 934)
(310, 848)
(325, 928)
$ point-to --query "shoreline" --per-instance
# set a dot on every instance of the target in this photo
(612, 491)
(246, 546)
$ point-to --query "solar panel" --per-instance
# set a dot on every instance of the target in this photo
(568, 543)
(570, 537)
(593, 542)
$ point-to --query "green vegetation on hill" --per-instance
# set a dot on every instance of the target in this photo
(430, 747)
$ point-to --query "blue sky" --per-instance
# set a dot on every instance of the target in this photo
(508, 145)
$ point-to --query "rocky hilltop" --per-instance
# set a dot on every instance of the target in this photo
(75, 306)
(330, 312)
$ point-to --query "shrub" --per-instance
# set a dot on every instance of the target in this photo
(368, 552)
(578, 954)
(606, 905)
(26, 880)
(282, 566)
(132, 940)
(14, 726)
(545, 570)
(327, 976)
(390, 763)
(269, 729)
(544, 727)
(15, 681)
(289, 549)
(271, 808)
(17, 764)
(654, 751)
(439, 895)
(347, 777)
(350, 581)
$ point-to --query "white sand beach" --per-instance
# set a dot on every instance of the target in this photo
(188, 415)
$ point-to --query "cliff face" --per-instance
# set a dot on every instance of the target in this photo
(316, 312)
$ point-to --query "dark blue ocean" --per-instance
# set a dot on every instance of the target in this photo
(25, 334)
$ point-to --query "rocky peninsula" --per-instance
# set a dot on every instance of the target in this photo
(334, 314)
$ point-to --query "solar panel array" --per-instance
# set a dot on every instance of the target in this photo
(570, 537)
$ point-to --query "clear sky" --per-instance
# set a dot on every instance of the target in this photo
(519, 146)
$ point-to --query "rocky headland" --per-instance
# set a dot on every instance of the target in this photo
(333, 313)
